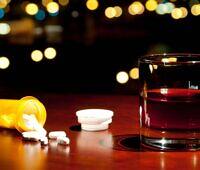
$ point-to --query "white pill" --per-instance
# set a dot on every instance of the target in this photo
(44, 141)
(32, 135)
(56, 134)
(63, 140)
(36, 125)
(41, 130)
(32, 123)
(28, 120)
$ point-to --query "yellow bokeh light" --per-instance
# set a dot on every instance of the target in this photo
(50, 53)
(195, 10)
(122, 77)
(31, 9)
(4, 62)
(63, 2)
(177, 13)
(8, 1)
(110, 12)
(3, 3)
(52, 7)
(130, 11)
(136, 8)
(165, 60)
(92, 4)
(134, 73)
(151, 5)
(36, 55)
(45, 2)
(4, 28)
(184, 12)
(155, 67)
(118, 10)
(172, 59)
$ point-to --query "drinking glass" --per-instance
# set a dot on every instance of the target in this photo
(169, 104)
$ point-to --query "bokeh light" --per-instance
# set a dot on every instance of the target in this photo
(54, 14)
(118, 11)
(31, 9)
(177, 13)
(134, 73)
(110, 12)
(40, 15)
(75, 14)
(195, 10)
(165, 60)
(52, 7)
(155, 66)
(92, 4)
(170, 6)
(36, 55)
(136, 8)
(63, 2)
(164, 90)
(151, 5)
(184, 12)
(162, 9)
(172, 59)
(3, 3)
(4, 28)
(45, 2)
(50, 53)
(151, 68)
(2, 13)
(122, 77)
(4, 62)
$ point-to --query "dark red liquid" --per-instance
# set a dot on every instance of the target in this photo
(171, 108)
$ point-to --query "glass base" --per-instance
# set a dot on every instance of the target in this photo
(171, 144)
(170, 140)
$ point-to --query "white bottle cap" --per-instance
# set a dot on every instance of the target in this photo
(94, 119)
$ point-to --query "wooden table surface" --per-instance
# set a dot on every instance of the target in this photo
(115, 148)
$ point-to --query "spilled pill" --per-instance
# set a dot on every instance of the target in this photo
(32, 123)
(63, 140)
(56, 134)
(32, 135)
(38, 133)
(44, 141)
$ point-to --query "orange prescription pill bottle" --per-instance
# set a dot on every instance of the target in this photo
(12, 111)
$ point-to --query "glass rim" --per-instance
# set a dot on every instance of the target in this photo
(157, 58)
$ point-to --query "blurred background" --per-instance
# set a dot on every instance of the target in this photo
(89, 46)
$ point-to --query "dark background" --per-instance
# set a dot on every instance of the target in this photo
(91, 49)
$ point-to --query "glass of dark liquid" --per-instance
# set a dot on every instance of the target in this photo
(170, 101)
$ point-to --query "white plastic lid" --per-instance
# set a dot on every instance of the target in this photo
(94, 119)
(94, 127)
(95, 113)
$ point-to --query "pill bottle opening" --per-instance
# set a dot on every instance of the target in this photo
(30, 106)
